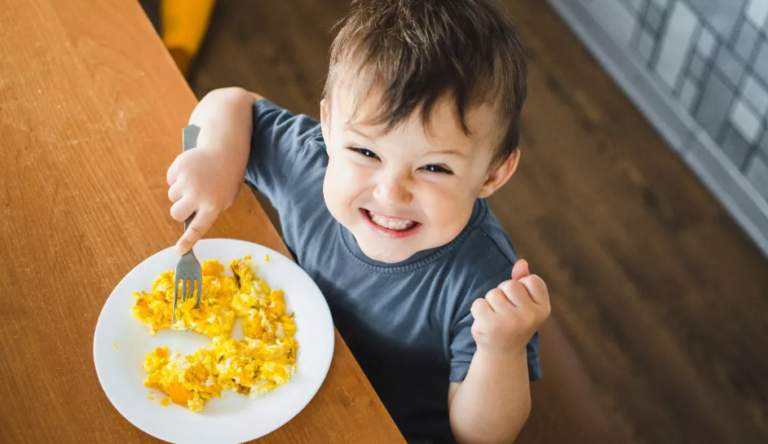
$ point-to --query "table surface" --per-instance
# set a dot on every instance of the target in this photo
(91, 111)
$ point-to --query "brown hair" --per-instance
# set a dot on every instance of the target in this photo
(417, 51)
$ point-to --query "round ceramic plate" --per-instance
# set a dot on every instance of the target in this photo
(120, 343)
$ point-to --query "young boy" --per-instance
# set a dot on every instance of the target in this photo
(382, 203)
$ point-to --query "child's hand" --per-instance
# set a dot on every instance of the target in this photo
(509, 315)
(202, 181)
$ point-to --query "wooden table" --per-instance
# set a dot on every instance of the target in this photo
(91, 108)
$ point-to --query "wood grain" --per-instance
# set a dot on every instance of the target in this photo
(660, 300)
(661, 293)
(91, 109)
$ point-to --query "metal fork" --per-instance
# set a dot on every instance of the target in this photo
(188, 269)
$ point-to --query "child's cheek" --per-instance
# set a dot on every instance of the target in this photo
(343, 180)
(340, 169)
(449, 209)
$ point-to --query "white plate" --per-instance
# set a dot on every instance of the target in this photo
(120, 343)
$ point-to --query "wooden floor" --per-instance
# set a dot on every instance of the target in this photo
(661, 295)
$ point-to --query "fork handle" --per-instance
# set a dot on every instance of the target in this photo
(189, 140)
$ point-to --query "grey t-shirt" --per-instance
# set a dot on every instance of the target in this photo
(408, 324)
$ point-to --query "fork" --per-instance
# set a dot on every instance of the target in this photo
(188, 269)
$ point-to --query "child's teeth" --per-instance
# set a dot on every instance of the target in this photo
(391, 224)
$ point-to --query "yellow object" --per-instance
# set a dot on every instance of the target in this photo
(262, 361)
(184, 24)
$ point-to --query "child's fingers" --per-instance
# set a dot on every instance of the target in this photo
(182, 209)
(520, 270)
(175, 191)
(173, 172)
(498, 301)
(537, 289)
(516, 293)
(481, 310)
(199, 225)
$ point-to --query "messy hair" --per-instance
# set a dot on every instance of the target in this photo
(419, 51)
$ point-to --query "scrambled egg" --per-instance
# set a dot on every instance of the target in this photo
(262, 361)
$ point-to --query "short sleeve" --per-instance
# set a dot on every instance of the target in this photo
(487, 260)
(463, 348)
(277, 155)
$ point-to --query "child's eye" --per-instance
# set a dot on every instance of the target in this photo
(365, 152)
(437, 169)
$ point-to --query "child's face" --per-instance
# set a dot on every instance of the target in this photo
(412, 188)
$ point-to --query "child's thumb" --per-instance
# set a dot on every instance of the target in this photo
(520, 270)
(201, 222)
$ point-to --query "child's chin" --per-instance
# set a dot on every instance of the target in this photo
(385, 255)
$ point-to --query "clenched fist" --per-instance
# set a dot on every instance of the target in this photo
(202, 181)
(509, 315)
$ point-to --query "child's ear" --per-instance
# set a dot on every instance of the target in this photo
(498, 176)
(325, 118)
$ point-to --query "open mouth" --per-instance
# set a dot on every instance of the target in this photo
(390, 226)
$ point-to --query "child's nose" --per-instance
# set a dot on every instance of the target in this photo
(393, 193)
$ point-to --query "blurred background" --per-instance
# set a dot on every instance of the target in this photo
(642, 195)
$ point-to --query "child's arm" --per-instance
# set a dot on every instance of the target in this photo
(492, 404)
(207, 179)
